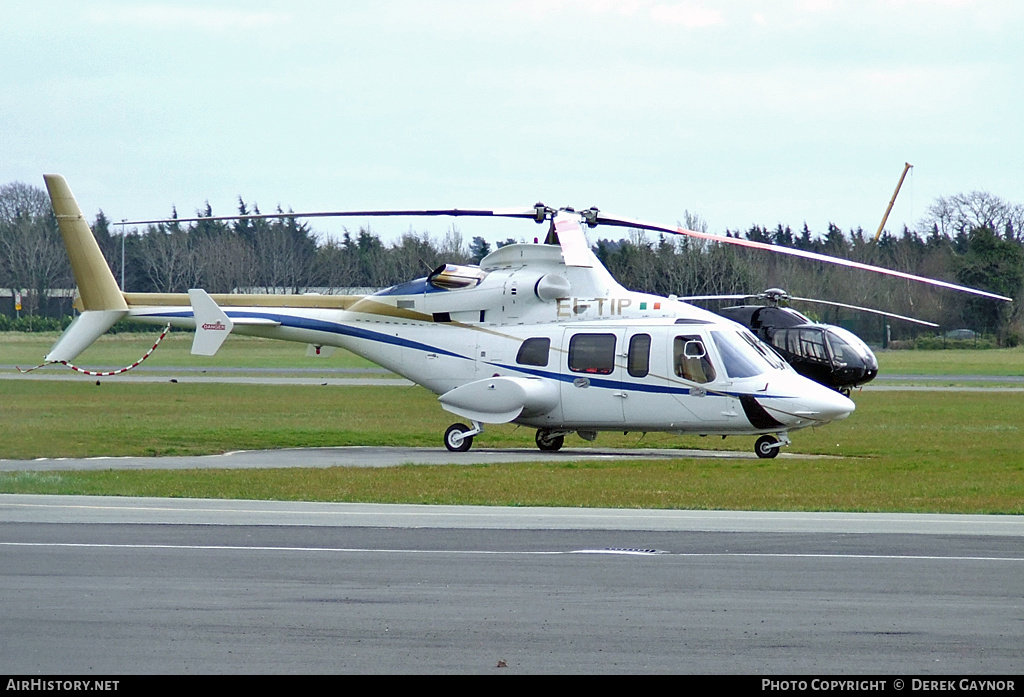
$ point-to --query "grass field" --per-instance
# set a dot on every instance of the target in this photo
(958, 362)
(901, 451)
(24, 349)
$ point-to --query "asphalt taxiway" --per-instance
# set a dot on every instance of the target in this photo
(372, 456)
(130, 585)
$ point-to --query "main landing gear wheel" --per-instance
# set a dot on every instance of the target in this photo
(766, 447)
(454, 439)
(548, 442)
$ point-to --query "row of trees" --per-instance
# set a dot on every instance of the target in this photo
(974, 239)
(978, 259)
(281, 255)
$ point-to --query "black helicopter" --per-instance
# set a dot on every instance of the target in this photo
(825, 353)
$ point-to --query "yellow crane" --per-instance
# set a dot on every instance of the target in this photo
(906, 168)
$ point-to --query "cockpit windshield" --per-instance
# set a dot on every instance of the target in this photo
(742, 356)
(848, 350)
(766, 351)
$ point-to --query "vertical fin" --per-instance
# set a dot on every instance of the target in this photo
(96, 283)
(212, 324)
(102, 301)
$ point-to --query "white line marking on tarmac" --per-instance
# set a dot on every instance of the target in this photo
(362, 550)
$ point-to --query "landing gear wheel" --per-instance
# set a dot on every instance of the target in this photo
(548, 442)
(455, 441)
(845, 391)
(764, 447)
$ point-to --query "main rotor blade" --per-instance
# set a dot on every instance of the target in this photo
(540, 213)
(865, 309)
(572, 240)
(688, 298)
(531, 212)
(604, 219)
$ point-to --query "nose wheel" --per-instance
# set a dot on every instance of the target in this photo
(768, 446)
(459, 437)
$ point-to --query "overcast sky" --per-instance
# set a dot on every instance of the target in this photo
(743, 112)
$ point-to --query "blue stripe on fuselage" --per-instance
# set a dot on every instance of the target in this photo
(294, 322)
(609, 383)
(358, 333)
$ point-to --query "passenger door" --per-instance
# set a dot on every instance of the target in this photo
(647, 404)
(591, 388)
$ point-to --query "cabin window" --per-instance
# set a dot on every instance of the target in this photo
(534, 352)
(691, 361)
(638, 363)
(812, 345)
(793, 341)
(779, 339)
(592, 353)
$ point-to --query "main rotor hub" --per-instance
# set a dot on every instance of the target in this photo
(774, 296)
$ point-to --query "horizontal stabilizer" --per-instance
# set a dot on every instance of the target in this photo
(212, 325)
(502, 399)
(87, 327)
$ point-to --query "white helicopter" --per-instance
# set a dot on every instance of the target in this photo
(538, 335)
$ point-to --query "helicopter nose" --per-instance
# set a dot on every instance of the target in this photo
(809, 404)
(827, 405)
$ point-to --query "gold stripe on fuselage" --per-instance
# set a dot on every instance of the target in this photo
(331, 302)
(363, 304)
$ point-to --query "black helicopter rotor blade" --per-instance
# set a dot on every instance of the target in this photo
(866, 309)
(787, 297)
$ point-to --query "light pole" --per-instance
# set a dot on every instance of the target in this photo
(123, 235)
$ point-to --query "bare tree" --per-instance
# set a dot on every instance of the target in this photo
(229, 263)
(167, 260)
(32, 256)
(961, 213)
(19, 200)
(413, 256)
(453, 249)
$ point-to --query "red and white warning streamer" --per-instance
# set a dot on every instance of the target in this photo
(99, 374)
